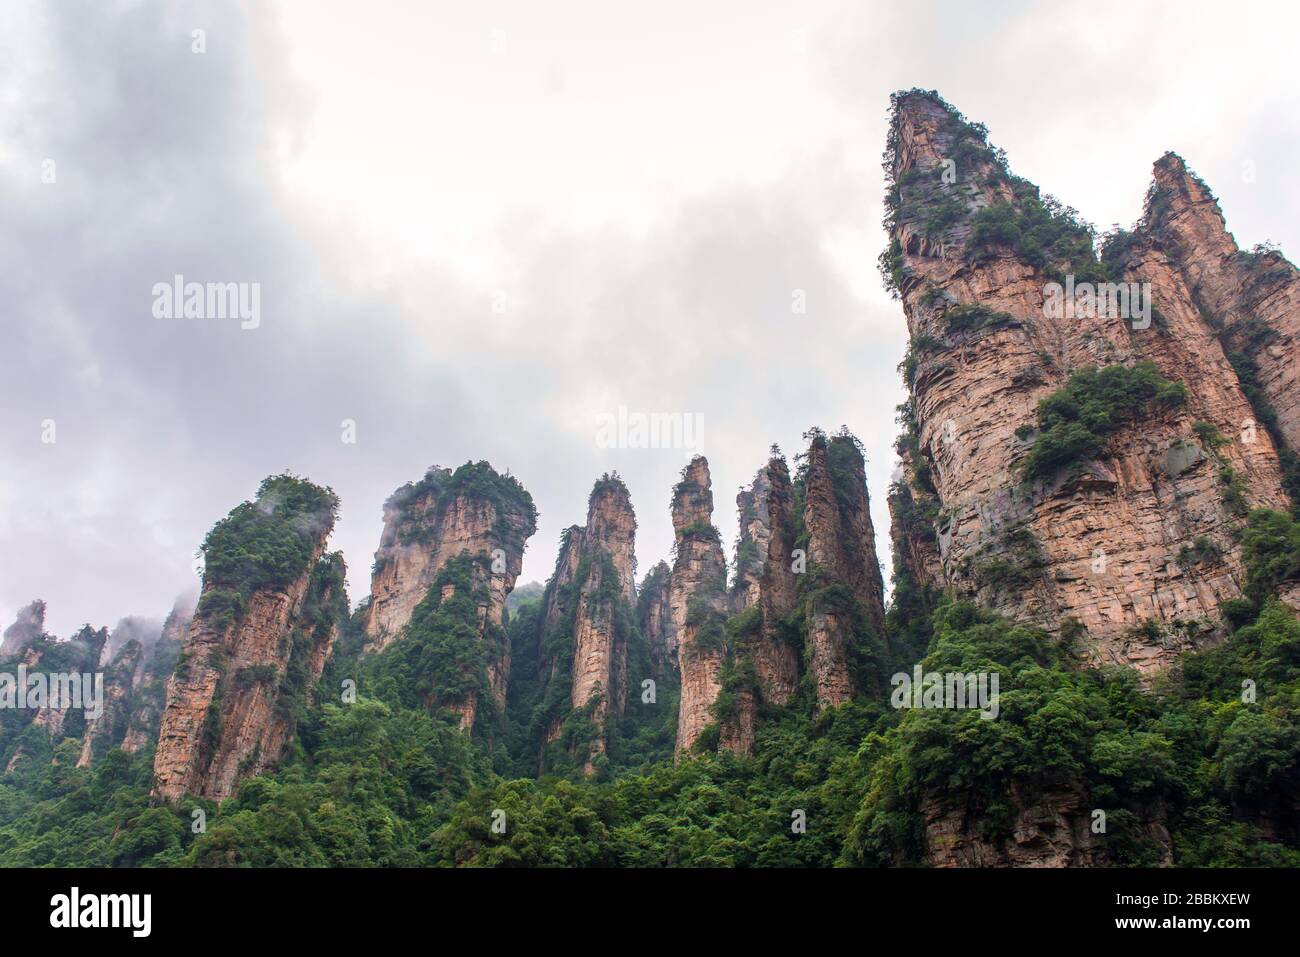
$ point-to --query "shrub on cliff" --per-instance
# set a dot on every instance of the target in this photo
(1271, 544)
(1040, 231)
(1075, 422)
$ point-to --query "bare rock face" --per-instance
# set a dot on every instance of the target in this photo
(592, 596)
(27, 627)
(1099, 543)
(842, 552)
(1252, 299)
(697, 601)
(1052, 829)
(226, 715)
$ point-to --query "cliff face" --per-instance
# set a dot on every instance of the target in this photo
(913, 510)
(244, 666)
(126, 662)
(766, 582)
(765, 576)
(697, 601)
(1099, 541)
(608, 589)
(1051, 829)
(130, 682)
(842, 553)
(68, 668)
(1252, 299)
(589, 612)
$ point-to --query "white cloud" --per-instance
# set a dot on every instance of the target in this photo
(645, 186)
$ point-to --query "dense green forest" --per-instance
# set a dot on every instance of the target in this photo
(382, 781)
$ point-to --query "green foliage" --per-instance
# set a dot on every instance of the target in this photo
(266, 543)
(516, 515)
(1201, 551)
(972, 318)
(387, 781)
(702, 529)
(1271, 546)
(1193, 747)
(1248, 375)
(440, 660)
(1009, 564)
(1075, 422)
(1040, 231)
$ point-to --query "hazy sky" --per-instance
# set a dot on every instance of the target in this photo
(477, 227)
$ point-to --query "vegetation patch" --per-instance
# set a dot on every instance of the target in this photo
(266, 543)
(1075, 422)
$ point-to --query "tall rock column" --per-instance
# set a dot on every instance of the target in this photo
(846, 606)
(472, 511)
(226, 715)
(149, 684)
(589, 608)
(697, 600)
(766, 582)
(600, 652)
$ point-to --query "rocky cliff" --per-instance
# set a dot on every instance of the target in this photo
(77, 656)
(765, 588)
(848, 597)
(1250, 298)
(1048, 829)
(697, 601)
(1116, 504)
(913, 513)
(244, 669)
(587, 625)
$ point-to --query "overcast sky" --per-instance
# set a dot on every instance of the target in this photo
(477, 227)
